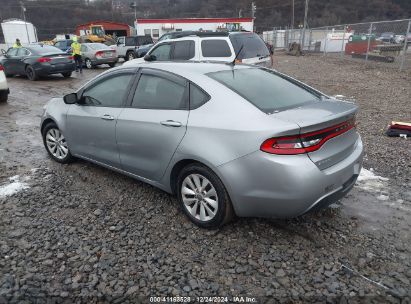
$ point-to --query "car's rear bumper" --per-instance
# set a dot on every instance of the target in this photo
(49, 69)
(104, 61)
(284, 186)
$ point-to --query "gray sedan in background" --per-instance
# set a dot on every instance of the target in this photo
(94, 54)
(226, 140)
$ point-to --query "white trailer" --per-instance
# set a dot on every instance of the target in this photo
(18, 29)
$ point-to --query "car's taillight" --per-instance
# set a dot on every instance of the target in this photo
(307, 142)
(43, 59)
(71, 57)
(99, 53)
(1, 68)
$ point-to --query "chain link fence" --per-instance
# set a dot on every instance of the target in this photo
(387, 42)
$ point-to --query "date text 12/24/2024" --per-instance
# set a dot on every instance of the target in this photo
(177, 299)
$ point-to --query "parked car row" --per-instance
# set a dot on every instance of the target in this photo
(391, 37)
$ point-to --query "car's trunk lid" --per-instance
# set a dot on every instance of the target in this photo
(328, 115)
(58, 58)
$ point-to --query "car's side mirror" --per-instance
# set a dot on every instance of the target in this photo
(70, 98)
(150, 58)
(4, 52)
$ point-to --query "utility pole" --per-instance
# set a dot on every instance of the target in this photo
(305, 24)
(23, 9)
(253, 10)
(292, 14)
(134, 5)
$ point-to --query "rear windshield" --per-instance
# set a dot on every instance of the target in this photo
(97, 46)
(265, 89)
(253, 45)
(45, 49)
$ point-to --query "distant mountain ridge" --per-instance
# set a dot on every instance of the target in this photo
(61, 16)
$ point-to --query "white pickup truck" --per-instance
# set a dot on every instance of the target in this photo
(133, 46)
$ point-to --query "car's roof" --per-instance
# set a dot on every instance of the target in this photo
(186, 68)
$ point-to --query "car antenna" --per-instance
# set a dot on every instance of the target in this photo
(236, 55)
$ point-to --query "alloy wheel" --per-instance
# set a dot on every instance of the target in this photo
(130, 56)
(199, 197)
(56, 143)
(88, 64)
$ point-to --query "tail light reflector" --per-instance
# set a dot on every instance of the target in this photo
(43, 59)
(307, 142)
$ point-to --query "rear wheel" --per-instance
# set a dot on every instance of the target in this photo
(203, 197)
(130, 55)
(31, 73)
(4, 95)
(89, 64)
(66, 75)
(55, 144)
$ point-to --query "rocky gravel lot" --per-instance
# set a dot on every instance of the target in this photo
(79, 233)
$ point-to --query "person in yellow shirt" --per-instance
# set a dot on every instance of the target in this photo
(76, 52)
(17, 44)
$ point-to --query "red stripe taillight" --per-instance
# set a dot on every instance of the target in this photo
(304, 143)
(43, 59)
(1, 68)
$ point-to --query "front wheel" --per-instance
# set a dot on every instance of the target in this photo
(203, 197)
(89, 64)
(31, 73)
(56, 144)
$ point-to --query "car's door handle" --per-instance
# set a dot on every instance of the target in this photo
(171, 123)
(107, 117)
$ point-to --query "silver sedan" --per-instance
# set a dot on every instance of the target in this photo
(226, 140)
(94, 54)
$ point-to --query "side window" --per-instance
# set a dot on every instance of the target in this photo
(109, 92)
(215, 48)
(12, 52)
(155, 92)
(197, 97)
(162, 52)
(121, 40)
(58, 44)
(131, 41)
(183, 50)
(22, 52)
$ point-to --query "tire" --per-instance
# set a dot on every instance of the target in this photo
(4, 95)
(112, 65)
(66, 75)
(31, 73)
(88, 64)
(61, 152)
(130, 56)
(193, 202)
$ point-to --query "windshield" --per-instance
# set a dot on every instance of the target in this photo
(253, 45)
(265, 89)
(97, 46)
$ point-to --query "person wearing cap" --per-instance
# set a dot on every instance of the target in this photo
(76, 52)
(17, 44)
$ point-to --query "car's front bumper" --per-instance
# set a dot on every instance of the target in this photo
(285, 186)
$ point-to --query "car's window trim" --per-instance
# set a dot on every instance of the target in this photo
(162, 74)
(104, 77)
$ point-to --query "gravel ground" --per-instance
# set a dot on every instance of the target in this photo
(81, 233)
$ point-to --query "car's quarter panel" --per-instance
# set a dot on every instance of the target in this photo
(56, 110)
(283, 186)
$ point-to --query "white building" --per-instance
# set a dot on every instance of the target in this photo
(15, 28)
(157, 27)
